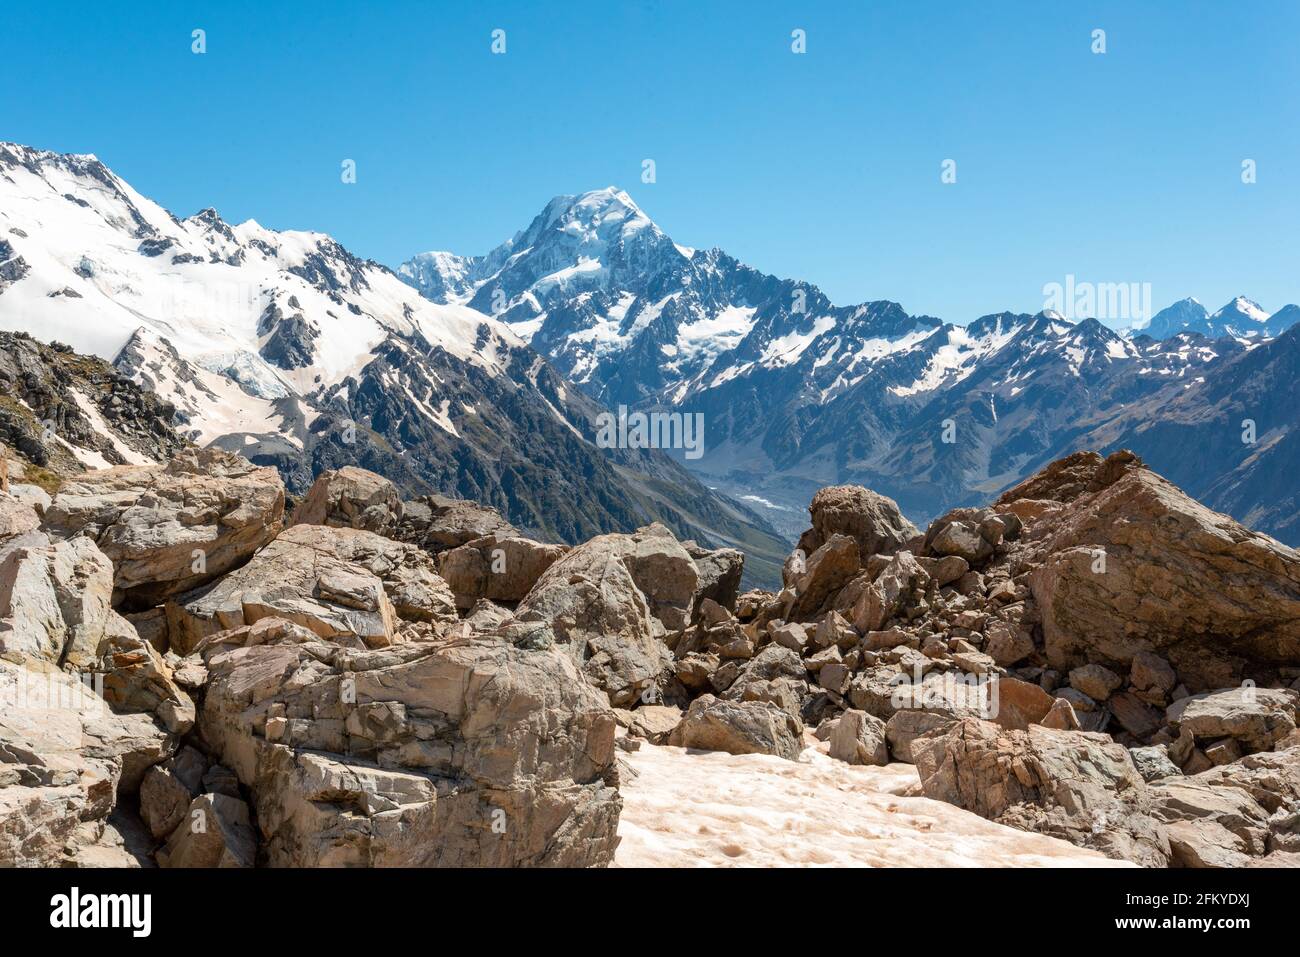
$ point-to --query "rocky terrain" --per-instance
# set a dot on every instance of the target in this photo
(193, 674)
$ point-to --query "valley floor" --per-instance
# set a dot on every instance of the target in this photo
(709, 809)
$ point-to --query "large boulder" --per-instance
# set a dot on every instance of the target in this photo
(828, 569)
(613, 601)
(171, 528)
(500, 568)
(340, 583)
(720, 571)
(739, 727)
(473, 753)
(870, 519)
(351, 497)
(1132, 564)
(898, 585)
(859, 738)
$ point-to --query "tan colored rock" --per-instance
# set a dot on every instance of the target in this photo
(889, 593)
(739, 727)
(170, 528)
(1219, 602)
(351, 497)
(497, 567)
(1069, 784)
(872, 520)
(1020, 704)
(469, 753)
(859, 738)
(1258, 717)
(436, 523)
(1061, 716)
(340, 583)
(612, 601)
(68, 758)
(215, 831)
(826, 571)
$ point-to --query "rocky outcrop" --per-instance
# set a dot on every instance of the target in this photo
(872, 520)
(351, 497)
(470, 753)
(171, 528)
(436, 523)
(343, 584)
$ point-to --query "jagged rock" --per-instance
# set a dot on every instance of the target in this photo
(214, 832)
(171, 528)
(351, 497)
(167, 790)
(888, 593)
(1151, 672)
(497, 567)
(16, 516)
(436, 523)
(872, 520)
(904, 727)
(964, 532)
(612, 601)
(1219, 602)
(472, 753)
(859, 738)
(1061, 716)
(775, 674)
(654, 722)
(67, 758)
(1005, 645)
(827, 570)
(1080, 787)
(739, 727)
(1258, 717)
(720, 571)
(339, 583)
(1230, 816)
(1133, 714)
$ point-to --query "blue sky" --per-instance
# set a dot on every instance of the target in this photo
(1122, 167)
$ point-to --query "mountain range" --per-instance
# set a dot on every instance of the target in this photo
(483, 377)
(285, 347)
(799, 393)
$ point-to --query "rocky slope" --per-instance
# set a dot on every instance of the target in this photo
(286, 348)
(191, 676)
(798, 393)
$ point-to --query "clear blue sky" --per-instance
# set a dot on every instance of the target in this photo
(1122, 167)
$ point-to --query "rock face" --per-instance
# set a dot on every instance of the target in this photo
(169, 529)
(436, 523)
(339, 583)
(472, 753)
(613, 601)
(351, 497)
(1132, 564)
(67, 757)
(1259, 718)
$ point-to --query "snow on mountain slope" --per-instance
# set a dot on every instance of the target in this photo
(283, 346)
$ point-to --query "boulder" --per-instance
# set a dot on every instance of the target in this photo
(1019, 703)
(351, 497)
(1217, 601)
(720, 571)
(826, 571)
(1257, 717)
(340, 583)
(476, 752)
(904, 727)
(171, 528)
(1096, 681)
(889, 593)
(872, 520)
(1153, 762)
(436, 523)
(859, 738)
(498, 567)
(739, 727)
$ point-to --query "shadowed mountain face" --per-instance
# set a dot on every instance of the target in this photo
(798, 393)
(286, 348)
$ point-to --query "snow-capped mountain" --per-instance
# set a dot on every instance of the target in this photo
(799, 393)
(285, 347)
